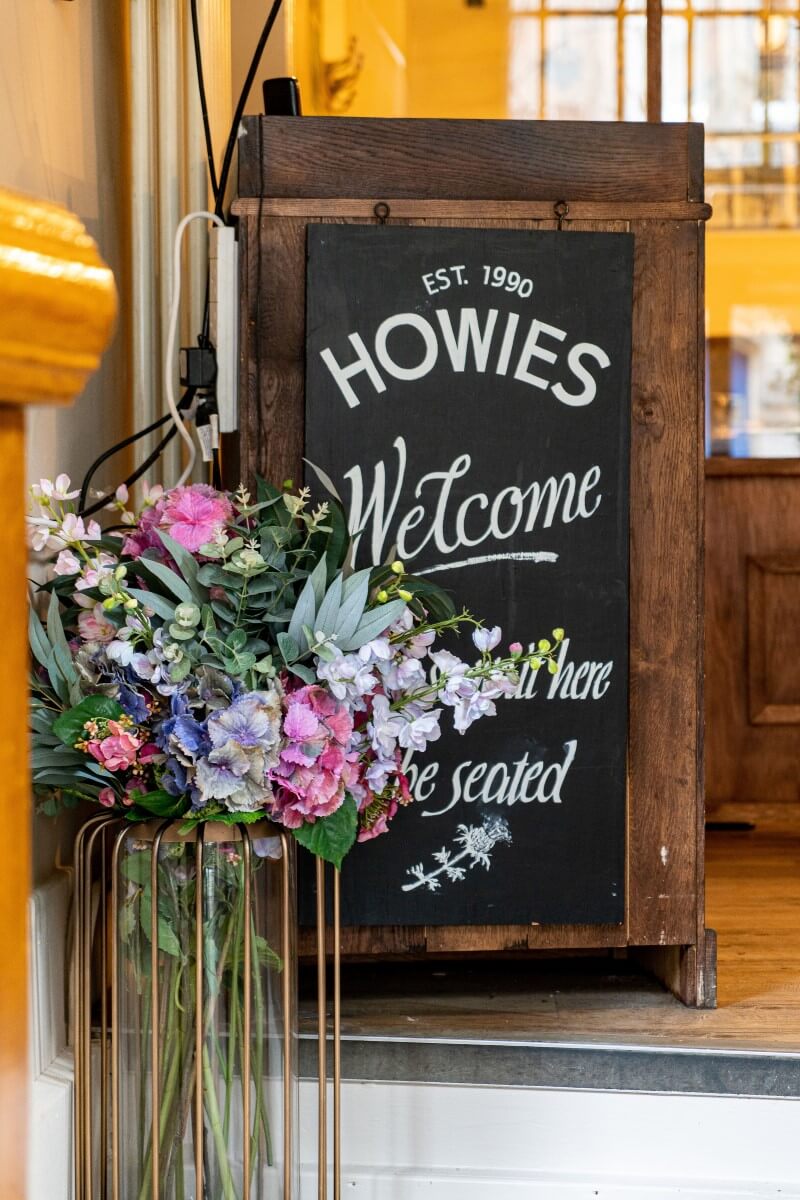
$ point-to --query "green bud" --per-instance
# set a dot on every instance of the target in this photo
(552, 667)
(558, 634)
(397, 567)
(131, 603)
(536, 662)
(383, 596)
(405, 595)
(121, 571)
(110, 602)
(543, 645)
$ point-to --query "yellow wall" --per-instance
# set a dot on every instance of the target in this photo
(756, 270)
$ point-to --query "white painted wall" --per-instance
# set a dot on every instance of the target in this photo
(62, 88)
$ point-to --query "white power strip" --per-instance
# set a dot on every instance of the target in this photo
(224, 322)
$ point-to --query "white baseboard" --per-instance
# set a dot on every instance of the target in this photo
(428, 1185)
(406, 1141)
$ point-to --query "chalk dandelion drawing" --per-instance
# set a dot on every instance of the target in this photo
(477, 843)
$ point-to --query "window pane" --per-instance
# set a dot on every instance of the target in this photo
(581, 68)
(635, 29)
(674, 85)
(726, 74)
(524, 68)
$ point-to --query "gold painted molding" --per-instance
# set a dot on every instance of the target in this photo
(57, 302)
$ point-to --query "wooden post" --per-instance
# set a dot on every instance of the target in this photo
(654, 54)
(57, 301)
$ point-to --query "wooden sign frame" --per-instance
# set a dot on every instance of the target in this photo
(642, 178)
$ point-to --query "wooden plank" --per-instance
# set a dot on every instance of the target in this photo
(480, 210)
(489, 160)
(722, 466)
(666, 626)
(749, 516)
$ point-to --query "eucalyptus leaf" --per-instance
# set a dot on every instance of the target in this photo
(329, 609)
(319, 581)
(288, 647)
(163, 608)
(303, 672)
(324, 479)
(187, 565)
(373, 624)
(304, 612)
(169, 578)
(354, 600)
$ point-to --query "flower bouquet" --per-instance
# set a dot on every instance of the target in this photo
(212, 658)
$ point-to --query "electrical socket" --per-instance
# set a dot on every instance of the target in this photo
(223, 313)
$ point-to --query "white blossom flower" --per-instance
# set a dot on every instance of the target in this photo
(486, 639)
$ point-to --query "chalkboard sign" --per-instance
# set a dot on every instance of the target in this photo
(468, 390)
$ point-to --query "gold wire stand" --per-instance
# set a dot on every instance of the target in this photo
(96, 970)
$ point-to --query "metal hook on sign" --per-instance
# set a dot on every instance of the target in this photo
(382, 212)
(561, 210)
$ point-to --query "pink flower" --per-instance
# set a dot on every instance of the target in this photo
(137, 788)
(117, 752)
(311, 773)
(107, 797)
(195, 515)
(66, 564)
(515, 648)
(192, 515)
(380, 824)
(95, 626)
(145, 536)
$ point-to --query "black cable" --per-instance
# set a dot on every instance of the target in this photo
(137, 474)
(184, 402)
(240, 105)
(201, 86)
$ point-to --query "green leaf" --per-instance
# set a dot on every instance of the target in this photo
(237, 640)
(288, 647)
(161, 803)
(331, 837)
(319, 580)
(136, 866)
(163, 608)
(55, 630)
(338, 540)
(223, 611)
(303, 672)
(373, 624)
(267, 956)
(167, 940)
(69, 726)
(354, 601)
(170, 579)
(304, 612)
(187, 565)
(329, 609)
(37, 637)
(324, 479)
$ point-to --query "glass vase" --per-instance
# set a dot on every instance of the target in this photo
(198, 1090)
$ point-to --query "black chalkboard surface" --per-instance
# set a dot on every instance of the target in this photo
(468, 390)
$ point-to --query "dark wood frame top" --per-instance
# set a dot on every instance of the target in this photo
(638, 177)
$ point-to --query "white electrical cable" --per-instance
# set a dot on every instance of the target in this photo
(169, 365)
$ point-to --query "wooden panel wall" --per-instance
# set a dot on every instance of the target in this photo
(646, 179)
